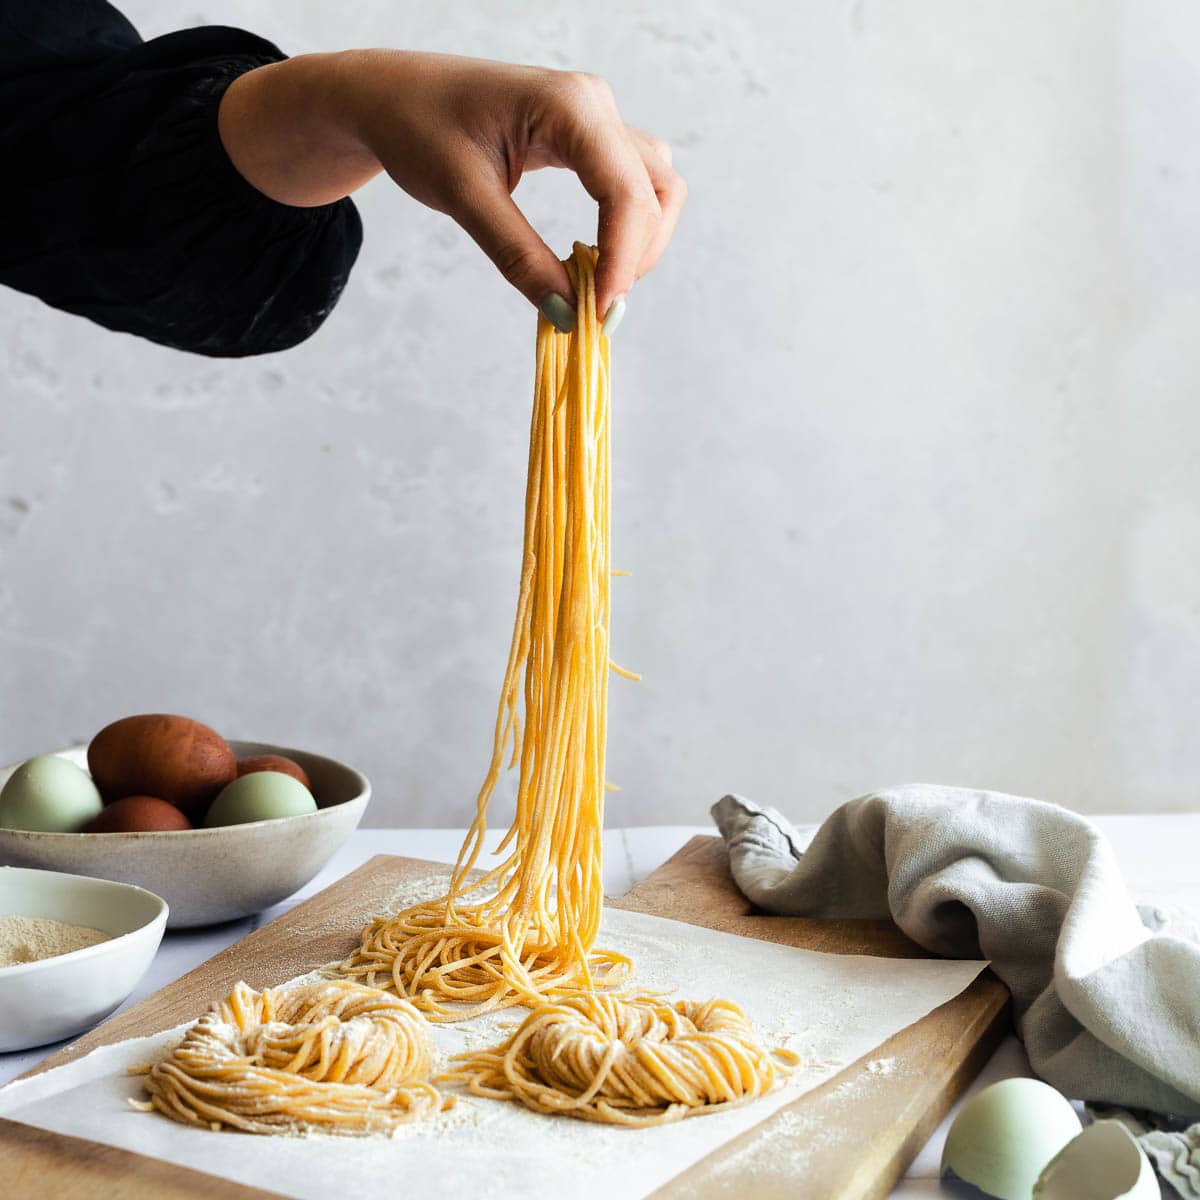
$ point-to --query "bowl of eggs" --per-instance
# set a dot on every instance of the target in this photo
(219, 829)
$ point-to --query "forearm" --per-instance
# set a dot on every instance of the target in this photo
(292, 130)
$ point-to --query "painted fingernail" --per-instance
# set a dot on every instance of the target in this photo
(616, 313)
(558, 312)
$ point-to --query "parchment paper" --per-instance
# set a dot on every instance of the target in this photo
(833, 1009)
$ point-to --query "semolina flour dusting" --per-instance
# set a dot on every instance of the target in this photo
(30, 939)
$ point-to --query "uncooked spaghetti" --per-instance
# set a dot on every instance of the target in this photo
(525, 932)
(332, 1056)
(639, 1061)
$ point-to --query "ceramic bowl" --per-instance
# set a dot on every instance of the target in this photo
(209, 875)
(54, 998)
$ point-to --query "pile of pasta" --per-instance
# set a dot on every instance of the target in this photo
(639, 1061)
(332, 1056)
(522, 933)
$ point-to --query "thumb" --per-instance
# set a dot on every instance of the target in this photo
(491, 216)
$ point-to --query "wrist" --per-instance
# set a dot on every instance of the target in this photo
(362, 92)
(342, 87)
(290, 129)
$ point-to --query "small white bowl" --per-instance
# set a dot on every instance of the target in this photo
(53, 998)
(209, 875)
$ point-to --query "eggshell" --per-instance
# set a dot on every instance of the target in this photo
(1103, 1163)
(260, 796)
(273, 762)
(138, 814)
(48, 794)
(1006, 1134)
(173, 758)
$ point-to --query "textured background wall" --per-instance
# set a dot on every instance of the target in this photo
(906, 433)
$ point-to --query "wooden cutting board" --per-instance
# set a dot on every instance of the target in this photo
(855, 1134)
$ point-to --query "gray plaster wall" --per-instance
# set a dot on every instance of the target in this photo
(906, 432)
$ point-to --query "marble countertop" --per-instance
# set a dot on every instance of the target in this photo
(1156, 854)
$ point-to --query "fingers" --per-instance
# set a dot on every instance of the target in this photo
(573, 122)
(586, 134)
(490, 215)
(627, 172)
(628, 218)
(670, 188)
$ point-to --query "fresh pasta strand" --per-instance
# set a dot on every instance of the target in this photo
(525, 932)
(627, 1061)
(333, 1056)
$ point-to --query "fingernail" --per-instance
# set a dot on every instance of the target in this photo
(558, 312)
(616, 312)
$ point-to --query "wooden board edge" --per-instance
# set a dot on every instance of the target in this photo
(40, 1163)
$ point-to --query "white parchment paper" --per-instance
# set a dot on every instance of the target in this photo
(833, 1009)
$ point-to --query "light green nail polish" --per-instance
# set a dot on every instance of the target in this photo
(616, 313)
(558, 312)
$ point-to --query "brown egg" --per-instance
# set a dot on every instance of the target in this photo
(138, 814)
(273, 762)
(172, 758)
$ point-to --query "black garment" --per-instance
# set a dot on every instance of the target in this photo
(118, 201)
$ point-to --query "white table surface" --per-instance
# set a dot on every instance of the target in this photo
(1157, 855)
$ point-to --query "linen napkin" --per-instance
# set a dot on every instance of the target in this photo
(1106, 998)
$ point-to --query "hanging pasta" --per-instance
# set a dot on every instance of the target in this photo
(332, 1056)
(639, 1061)
(525, 932)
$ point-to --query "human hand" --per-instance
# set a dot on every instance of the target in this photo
(458, 134)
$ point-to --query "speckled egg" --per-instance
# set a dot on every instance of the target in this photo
(260, 796)
(48, 794)
(157, 754)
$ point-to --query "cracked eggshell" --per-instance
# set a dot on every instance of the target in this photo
(1006, 1134)
(1103, 1163)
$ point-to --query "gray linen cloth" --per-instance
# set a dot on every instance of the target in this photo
(1106, 997)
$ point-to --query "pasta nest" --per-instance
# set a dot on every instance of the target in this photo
(331, 1056)
(631, 1061)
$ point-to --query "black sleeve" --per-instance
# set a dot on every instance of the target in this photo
(119, 203)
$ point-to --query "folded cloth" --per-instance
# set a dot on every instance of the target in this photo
(1109, 1010)
(1106, 996)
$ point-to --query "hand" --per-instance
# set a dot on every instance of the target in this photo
(458, 134)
